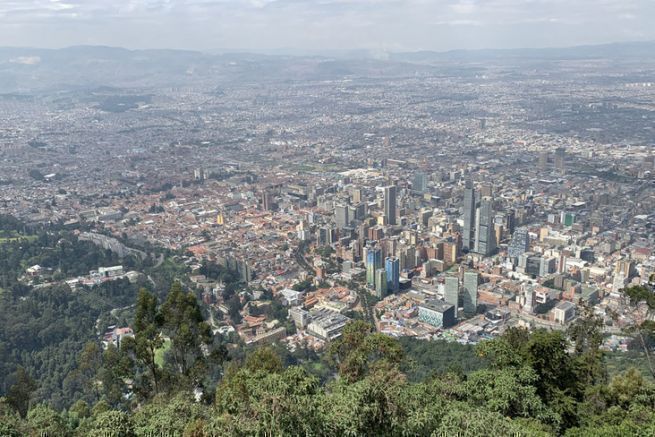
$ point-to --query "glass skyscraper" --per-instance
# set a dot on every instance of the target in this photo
(392, 267)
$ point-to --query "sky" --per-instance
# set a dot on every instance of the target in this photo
(377, 25)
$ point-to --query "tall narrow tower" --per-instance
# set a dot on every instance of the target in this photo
(390, 204)
(468, 239)
(485, 238)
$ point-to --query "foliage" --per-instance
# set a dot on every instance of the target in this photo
(640, 293)
(424, 359)
(359, 351)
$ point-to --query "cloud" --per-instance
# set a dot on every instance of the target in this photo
(322, 24)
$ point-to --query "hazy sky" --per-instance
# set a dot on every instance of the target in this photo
(324, 24)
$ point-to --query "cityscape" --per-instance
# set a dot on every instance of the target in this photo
(177, 221)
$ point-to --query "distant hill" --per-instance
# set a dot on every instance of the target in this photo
(627, 50)
(33, 70)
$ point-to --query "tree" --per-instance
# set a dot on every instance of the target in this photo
(169, 416)
(264, 359)
(21, 391)
(116, 369)
(587, 336)
(111, 423)
(359, 351)
(642, 302)
(88, 365)
(43, 420)
(190, 334)
(262, 403)
(10, 422)
(147, 335)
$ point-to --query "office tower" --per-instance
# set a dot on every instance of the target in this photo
(326, 236)
(451, 292)
(528, 291)
(560, 159)
(356, 195)
(470, 293)
(392, 267)
(199, 174)
(341, 216)
(547, 266)
(543, 160)
(511, 222)
(246, 272)
(267, 201)
(357, 211)
(390, 205)
(407, 255)
(381, 283)
(485, 238)
(468, 238)
(420, 182)
(567, 218)
(519, 244)
(373, 262)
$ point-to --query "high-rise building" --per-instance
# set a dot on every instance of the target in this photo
(341, 216)
(390, 204)
(547, 265)
(356, 195)
(543, 159)
(560, 159)
(485, 238)
(407, 257)
(468, 237)
(267, 201)
(519, 244)
(392, 267)
(357, 211)
(420, 182)
(381, 283)
(567, 218)
(470, 293)
(451, 292)
(373, 262)
(511, 222)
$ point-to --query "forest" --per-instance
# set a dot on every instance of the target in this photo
(43, 329)
(544, 383)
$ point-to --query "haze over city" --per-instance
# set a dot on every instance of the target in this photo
(316, 25)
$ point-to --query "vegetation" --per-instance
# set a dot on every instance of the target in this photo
(539, 384)
(425, 359)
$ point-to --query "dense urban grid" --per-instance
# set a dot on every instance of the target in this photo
(440, 199)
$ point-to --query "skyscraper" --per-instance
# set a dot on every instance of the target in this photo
(267, 200)
(390, 204)
(451, 292)
(392, 267)
(485, 237)
(560, 159)
(420, 182)
(381, 282)
(470, 293)
(341, 216)
(468, 239)
(373, 262)
(520, 243)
